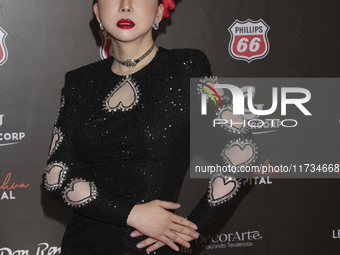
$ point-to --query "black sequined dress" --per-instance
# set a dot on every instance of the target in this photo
(132, 156)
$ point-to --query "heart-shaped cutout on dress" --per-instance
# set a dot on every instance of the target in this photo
(211, 84)
(55, 175)
(233, 120)
(222, 189)
(124, 97)
(234, 123)
(208, 84)
(239, 153)
(80, 192)
(56, 140)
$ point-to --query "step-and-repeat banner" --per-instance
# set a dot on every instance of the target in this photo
(40, 40)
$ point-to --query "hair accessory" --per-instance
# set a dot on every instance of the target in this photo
(168, 5)
(133, 62)
(156, 25)
(101, 26)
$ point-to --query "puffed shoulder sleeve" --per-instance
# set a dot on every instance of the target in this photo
(62, 179)
(235, 143)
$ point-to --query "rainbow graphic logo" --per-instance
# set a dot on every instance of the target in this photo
(209, 93)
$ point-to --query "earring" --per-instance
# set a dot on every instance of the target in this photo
(156, 25)
(101, 26)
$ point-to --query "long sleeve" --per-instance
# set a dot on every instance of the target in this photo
(236, 145)
(62, 179)
(135, 151)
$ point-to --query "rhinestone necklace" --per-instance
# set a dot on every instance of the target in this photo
(133, 62)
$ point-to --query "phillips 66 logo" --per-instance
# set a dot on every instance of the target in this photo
(249, 40)
(3, 49)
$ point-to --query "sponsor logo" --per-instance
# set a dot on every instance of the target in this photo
(7, 188)
(106, 47)
(42, 249)
(9, 138)
(3, 48)
(257, 181)
(250, 115)
(211, 96)
(261, 126)
(248, 40)
(229, 240)
(336, 234)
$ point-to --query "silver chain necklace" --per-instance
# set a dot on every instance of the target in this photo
(133, 62)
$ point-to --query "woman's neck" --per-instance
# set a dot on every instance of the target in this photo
(131, 50)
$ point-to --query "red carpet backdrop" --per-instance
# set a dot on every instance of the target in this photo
(40, 40)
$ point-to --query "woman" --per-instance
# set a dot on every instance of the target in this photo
(127, 117)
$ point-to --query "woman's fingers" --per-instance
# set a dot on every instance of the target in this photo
(153, 220)
(146, 242)
(163, 241)
(136, 233)
(155, 246)
(168, 205)
(184, 230)
(174, 238)
(169, 243)
(183, 221)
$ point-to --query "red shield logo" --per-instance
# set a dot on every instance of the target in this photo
(106, 47)
(3, 48)
(249, 40)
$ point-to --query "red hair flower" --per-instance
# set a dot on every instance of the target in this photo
(168, 5)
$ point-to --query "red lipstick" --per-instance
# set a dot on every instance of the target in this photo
(125, 24)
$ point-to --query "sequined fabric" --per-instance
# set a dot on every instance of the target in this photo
(132, 156)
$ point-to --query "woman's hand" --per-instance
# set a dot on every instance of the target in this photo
(153, 220)
(156, 244)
